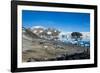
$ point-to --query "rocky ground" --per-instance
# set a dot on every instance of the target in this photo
(34, 50)
(37, 49)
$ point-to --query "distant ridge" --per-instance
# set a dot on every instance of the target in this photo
(29, 33)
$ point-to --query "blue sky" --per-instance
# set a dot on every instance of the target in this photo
(63, 21)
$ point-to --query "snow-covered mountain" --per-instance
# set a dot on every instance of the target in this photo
(34, 27)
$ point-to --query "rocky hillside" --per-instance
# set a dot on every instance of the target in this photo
(35, 48)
